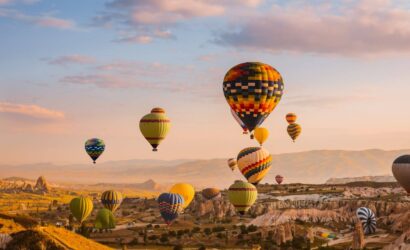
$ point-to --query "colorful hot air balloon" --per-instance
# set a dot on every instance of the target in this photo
(294, 131)
(170, 206)
(253, 90)
(243, 126)
(401, 171)
(155, 127)
(242, 195)
(254, 163)
(81, 207)
(211, 193)
(368, 219)
(291, 118)
(186, 190)
(279, 179)
(111, 200)
(105, 219)
(94, 148)
(261, 134)
(232, 163)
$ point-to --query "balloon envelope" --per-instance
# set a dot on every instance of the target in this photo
(401, 171)
(232, 163)
(111, 200)
(254, 163)
(238, 120)
(368, 219)
(211, 193)
(94, 148)
(81, 207)
(279, 179)
(242, 195)
(105, 219)
(261, 134)
(291, 118)
(253, 90)
(155, 127)
(170, 205)
(294, 131)
(186, 190)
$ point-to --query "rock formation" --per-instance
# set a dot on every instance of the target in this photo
(42, 185)
(358, 237)
(402, 243)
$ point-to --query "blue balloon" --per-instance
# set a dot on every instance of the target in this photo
(170, 205)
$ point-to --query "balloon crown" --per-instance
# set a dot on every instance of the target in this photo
(157, 110)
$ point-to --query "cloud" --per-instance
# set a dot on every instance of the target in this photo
(41, 20)
(30, 111)
(324, 101)
(72, 59)
(149, 19)
(8, 2)
(339, 27)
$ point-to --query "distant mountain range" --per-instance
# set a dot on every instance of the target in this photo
(307, 167)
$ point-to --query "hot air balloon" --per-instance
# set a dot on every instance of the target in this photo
(294, 131)
(242, 195)
(252, 90)
(243, 126)
(291, 118)
(170, 205)
(279, 179)
(401, 171)
(186, 190)
(254, 163)
(261, 134)
(81, 207)
(105, 219)
(232, 164)
(211, 193)
(368, 219)
(111, 200)
(155, 127)
(94, 148)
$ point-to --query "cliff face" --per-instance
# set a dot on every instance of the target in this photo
(402, 243)
(358, 237)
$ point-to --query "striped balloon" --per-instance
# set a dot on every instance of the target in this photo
(111, 200)
(294, 131)
(291, 118)
(253, 90)
(94, 148)
(401, 171)
(232, 164)
(170, 206)
(368, 219)
(81, 207)
(211, 193)
(242, 195)
(155, 127)
(254, 163)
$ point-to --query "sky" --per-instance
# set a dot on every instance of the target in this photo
(74, 70)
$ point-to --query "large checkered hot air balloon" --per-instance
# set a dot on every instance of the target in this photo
(252, 90)
(155, 127)
(367, 218)
(94, 148)
(239, 121)
(254, 163)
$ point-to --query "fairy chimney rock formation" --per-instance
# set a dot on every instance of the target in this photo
(42, 185)
(358, 237)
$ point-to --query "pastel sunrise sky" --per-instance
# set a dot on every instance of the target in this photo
(73, 70)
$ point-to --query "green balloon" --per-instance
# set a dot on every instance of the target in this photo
(105, 219)
(81, 207)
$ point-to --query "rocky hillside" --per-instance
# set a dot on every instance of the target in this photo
(384, 178)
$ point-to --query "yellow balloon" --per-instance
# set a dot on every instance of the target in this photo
(155, 127)
(261, 134)
(185, 190)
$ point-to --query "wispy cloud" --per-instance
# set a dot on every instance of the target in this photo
(324, 101)
(338, 27)
(152, 19)
(30, 111)
(71, 59)
(40, 20)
